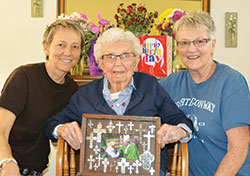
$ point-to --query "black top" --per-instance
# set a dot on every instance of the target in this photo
(33, 97)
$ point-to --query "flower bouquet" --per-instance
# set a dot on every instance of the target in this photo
(135, 18)
(92, 32)
(167, 20)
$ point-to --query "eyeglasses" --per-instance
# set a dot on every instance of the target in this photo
(198, 43)
(124, 56)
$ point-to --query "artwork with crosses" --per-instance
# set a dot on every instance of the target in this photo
(119, 145)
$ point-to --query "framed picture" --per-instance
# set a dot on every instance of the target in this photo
(119, 145)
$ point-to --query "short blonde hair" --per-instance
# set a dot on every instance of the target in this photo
(198, 20)
(113, 35)
(59, 24)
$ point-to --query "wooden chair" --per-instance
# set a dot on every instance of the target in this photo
(67, 160)
(179, 163)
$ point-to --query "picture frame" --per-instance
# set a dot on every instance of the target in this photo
(231, 29)
(119, 145)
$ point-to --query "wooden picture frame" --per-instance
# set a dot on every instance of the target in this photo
(106, 139)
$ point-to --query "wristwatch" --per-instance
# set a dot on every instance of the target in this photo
(6, 160)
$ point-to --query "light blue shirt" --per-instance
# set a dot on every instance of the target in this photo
(119, 102)
(216, 105)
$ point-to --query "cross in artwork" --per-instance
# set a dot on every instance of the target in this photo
(152, 171)
(137, 164)
(99, 132)
(152, 128)
(144, 146)
(96, 166)
(96, 149)
(130, 125)
(149, 136)
(91, 138)
(140, 131)
(119, 124)
(130, 168)
(99, 158)
(110, 126)
(146, 158)
(123, 164)
(90, 124)
(90, 160)
(116, 169)
(110, 167)
(105, 163)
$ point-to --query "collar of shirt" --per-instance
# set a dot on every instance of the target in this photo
(119, 105)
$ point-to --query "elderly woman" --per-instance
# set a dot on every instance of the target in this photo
(31, 95)
(121, 92)
(215, 97)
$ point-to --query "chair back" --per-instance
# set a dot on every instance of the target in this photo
(65, 159)
(179, 165)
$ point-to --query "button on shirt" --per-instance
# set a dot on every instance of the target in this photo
(120, 100)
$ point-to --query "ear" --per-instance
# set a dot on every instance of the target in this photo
(136, 62)
(213, 45)
(45, 49)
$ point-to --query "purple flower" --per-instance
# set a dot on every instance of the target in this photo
(167, 26)
(102, 22)
(94, 28)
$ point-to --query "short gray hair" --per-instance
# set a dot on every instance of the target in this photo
(198, 20)
(113, 35)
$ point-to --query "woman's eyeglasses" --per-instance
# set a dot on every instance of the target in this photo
(124, 56)
(198, 43)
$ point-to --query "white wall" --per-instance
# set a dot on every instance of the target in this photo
(237, 58)
(20, 40)
(21, 36)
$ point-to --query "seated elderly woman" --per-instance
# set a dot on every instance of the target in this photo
(121, 92)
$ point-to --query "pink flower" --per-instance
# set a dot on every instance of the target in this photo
(84, 26)
(102, 22)
(83, 16)
(177, 15)
(74, 19)
(94, 28)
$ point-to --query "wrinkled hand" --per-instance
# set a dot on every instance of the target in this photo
(72, 133)
(169, 134)
(10, 168)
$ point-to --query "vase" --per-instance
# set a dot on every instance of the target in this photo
(93, 67)
(175, 62)
(77, 69)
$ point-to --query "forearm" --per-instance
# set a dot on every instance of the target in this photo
(5, 150)
(237, 150)
(8, 164)
(232, 162)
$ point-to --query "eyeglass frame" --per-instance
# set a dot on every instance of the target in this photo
(119, 55)
(193, 41)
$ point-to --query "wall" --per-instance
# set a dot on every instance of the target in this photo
(21, 38)
(102, 6)
(21, 35)
(237, 58)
